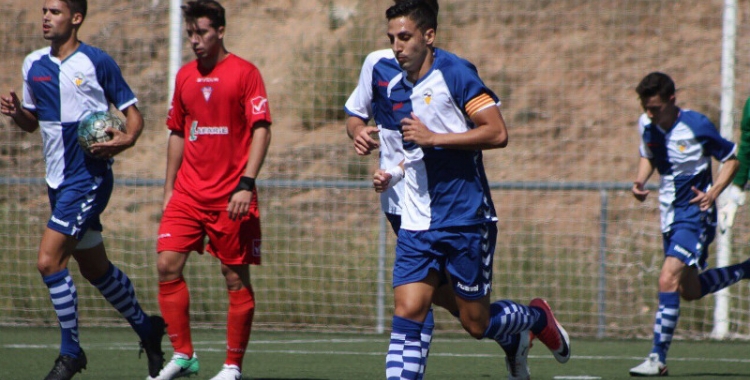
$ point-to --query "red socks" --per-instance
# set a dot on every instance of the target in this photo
(174, 302)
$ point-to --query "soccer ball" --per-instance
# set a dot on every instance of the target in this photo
(91, 129)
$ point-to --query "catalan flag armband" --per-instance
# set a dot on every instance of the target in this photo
(478, 103)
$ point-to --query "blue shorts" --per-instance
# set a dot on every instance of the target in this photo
(689, 244)
(466, 253)
(76, 206)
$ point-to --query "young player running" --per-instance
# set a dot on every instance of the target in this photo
(679, 144)
(447, 117)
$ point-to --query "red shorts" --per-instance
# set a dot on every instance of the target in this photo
(183, 229)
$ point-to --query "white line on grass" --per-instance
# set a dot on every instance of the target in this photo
(220, 346)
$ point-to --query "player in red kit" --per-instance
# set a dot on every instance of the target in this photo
(219, 135)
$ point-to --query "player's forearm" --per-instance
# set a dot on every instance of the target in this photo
(26, 120)
(474, 139)
(258, 149)
(175, 147)
(133, 124)
(645, 169)
(726, 174)
(353, 126)
(490, 133)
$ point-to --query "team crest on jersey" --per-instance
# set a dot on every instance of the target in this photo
(207, 92)
(259, 104)
(427, 95)
(682, 146)
(78, 79)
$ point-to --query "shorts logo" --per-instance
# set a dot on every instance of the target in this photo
(683, 251)
(60, 222)
(256, 248)
(163, 236)
(468, 289)
(260, 105)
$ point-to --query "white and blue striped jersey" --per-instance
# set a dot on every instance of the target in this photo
(443, 187)
(682, 157)
(370, 100)
(60, 93)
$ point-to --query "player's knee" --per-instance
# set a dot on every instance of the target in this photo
(668, 283)
(475, 330)
(47, 265)
(168, 266)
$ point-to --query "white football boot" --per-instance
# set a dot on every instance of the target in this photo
(517, 367)
(228, 372)
(651, 367)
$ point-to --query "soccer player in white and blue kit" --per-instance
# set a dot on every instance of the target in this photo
(679, 144)
(63, 83)
(447, 116)
(369, 101)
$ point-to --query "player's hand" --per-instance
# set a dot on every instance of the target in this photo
(120, 141)
(415, 131)
(239, 204)
(363, 141)
(729, 201)
(10, 105)
(380, 180)
(639, 191)
(704, 200)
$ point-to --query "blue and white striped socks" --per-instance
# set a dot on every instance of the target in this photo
(508, 318)
(116, 287)
(665, 323)
(404, 358)
(65, 301)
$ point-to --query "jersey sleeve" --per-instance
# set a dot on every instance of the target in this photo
(255, 98)
(644, 121)
(359, 103)
(28, 100)
(713, 143)
(176, 114)
(469, 91)
(110, 78)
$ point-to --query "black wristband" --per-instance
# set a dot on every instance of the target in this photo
(246, 183)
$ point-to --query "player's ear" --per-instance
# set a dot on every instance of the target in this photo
(77, 19)
(220, 32)
(429, 36)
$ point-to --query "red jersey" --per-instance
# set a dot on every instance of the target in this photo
(215, 111)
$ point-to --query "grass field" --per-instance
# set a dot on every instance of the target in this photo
(28, 353)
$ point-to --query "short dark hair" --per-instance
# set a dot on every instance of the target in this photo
(210, 9)
(77, 6)
(420, 11)
(656, 83)
(432, 3)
